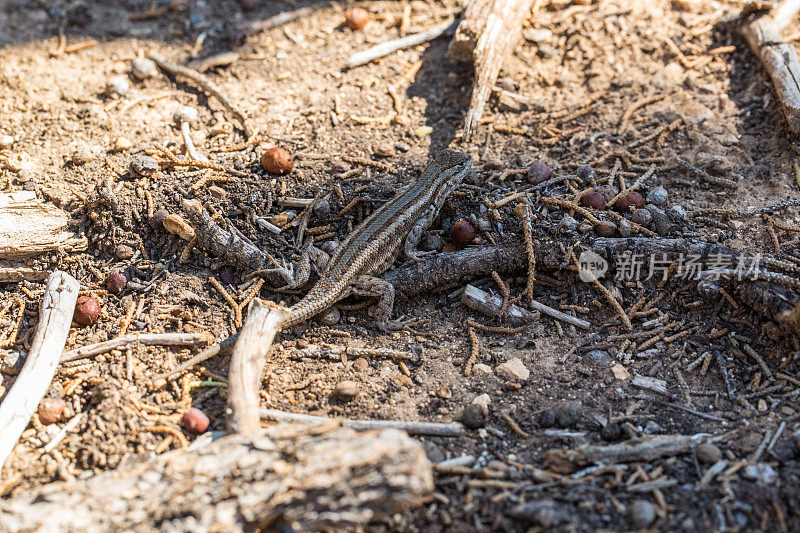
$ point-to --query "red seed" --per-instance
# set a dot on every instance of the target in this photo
(50, 410)
(356, 18)
(87, 311)
(276, 160)
(463, 232)
(595, 200)
(116, 282)
(629, 202)
(195, 421)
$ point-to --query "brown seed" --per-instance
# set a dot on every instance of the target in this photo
(463, 232)
(195, 421)
(87, 311)
(356, 18)
(50, 410)
(116, 282)
(276, 160)
(629, 202)
(346, 390)
(595, 200)
(707, 453)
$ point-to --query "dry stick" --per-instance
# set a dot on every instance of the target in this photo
(494, 40)
(438, 429)
(253, 27)
(205, 84)
(386, 48)
(249, 355)
(55, 317)
(779, 59)
(146, 339)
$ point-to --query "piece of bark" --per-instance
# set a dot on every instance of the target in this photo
(247, 363)
(13, 274)
(55, 317)
(566, 461)
(778, 57)
(29, 226)
(388, 47)
(486, 36)
(293, 476)
(438, 429)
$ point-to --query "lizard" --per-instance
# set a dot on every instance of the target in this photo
(371, 248)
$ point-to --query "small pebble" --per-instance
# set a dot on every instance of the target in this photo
(608, 191)
(360, 365)
(6, 141)
(598, 358)
(463, 232)
(473, 416)
(546, 51)
(144, 165)
(761, 473)
(323, 208)
(625, 228)
(568, 413)
(611, 432)
(484, 401)
(513, 369)
(422, 131)
(677, 213)
(50, 410)
(345, 390)
(158, 218)
(340, 168)
(217, 192)
(641, 217)
(548, 418)
(708, 453)
(432, 243)
(567, 225)
(118, 86)
(87, 311)
(13, 361)
(605, 228)
(546, 513)
(586, 174)
(331, 317)
(122, 144)
(385, 150)
(444, 392)
(481, 368)
(657, 195)
(641, 513)
(124, 252)
(83, 154)
(539, 172)
(24, 176)
(116, 282)
(227, 275)
(403, 147)
(195, 421)
(143, 68)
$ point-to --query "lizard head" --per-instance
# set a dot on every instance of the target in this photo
(453, 166)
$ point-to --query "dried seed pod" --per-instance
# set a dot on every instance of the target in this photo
(629, 202)
(595, 200)
(116, 282)
(276, 160)
(50, 410)
(195, 421)
(356, 18)
(177, 225)
(463, 232)
(539, 172)
(87, 311)
(144, 165)
(567, 224)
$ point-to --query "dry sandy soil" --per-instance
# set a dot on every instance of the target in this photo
(579, 69)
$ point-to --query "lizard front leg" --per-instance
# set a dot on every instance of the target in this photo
(294, 278)
(415, 234)
(382, 310)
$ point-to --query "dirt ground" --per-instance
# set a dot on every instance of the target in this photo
(577, 73)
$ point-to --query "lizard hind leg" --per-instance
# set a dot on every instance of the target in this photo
(382, 311)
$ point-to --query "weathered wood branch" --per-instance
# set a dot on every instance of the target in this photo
(778, 57)
(299, 476)
(29, 226)
(438, 429)
(247, 363)
(566, 461)
(485, 37)
(55, 317)
(146, 339)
